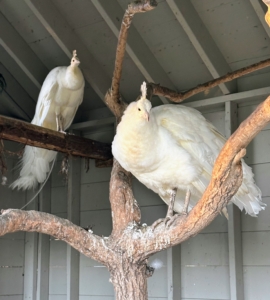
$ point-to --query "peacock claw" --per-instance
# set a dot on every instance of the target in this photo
(168, 221)
(156, 223)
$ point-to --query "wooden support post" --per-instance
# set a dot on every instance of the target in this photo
(234, 224)
(174, 272)
(30, 255)
(44, 247)
(73, 214)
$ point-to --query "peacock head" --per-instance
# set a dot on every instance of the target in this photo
(143, 108)
(75, 59)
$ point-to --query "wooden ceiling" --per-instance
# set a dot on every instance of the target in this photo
(180, 44)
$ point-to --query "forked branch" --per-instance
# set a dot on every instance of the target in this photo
(181, 96)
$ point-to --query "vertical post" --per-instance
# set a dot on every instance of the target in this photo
(174, 272)
(234, 224)
(73, 214)
(44, 247)
(30, 255)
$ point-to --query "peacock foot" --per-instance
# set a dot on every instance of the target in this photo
(168, 221)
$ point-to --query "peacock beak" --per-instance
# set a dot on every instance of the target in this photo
(146, 116)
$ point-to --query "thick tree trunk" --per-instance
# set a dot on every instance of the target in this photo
(129, 281)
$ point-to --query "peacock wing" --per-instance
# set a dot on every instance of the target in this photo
(46, 98)
(191, 131)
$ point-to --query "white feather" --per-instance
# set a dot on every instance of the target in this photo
(61, 94)
(156, 264)
(143, 90)
(176, 148)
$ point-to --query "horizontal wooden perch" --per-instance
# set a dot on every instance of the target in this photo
(32, 135)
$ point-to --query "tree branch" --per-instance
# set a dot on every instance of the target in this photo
(32, 135)
(123, 204)
(179, 97)
(90, 245)
(113, 98)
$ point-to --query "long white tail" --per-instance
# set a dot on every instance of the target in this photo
(249, 195)
(35, 165)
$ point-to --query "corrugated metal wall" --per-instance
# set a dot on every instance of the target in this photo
(204, 258)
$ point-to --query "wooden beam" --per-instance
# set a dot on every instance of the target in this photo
(43, 268)
(238, 97)
(67, 40)
(202, 41)
(93, 124)
(234, 224)
(73, 215)
(136, 47)
(29, 134)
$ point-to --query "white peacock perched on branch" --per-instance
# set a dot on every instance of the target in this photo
(59, 98)
(172, 149)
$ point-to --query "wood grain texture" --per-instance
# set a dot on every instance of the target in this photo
(32, 135)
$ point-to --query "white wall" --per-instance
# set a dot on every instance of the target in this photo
(11, 245)
(256, 231)
(205, 258)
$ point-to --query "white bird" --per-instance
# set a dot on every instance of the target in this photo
(171, 149)
(59, 98)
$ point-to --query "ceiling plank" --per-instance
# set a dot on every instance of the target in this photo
(67, 40)
(20, 52)
(12, 108)
(258, 8)
(15, 98)
(136, 47)
(202, 41)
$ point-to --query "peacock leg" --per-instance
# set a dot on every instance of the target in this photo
(171, 205)
(169, 216)
(186, 203)
(59, 123)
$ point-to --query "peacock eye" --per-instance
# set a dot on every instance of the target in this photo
(139, 109)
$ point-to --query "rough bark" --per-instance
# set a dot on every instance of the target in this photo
(90, 245)
(181, 96)
(129, 280)
(125, 209)
(32, 135)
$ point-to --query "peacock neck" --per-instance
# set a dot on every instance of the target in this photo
(73, 77)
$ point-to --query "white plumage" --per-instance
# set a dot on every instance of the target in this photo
(59, 98)
(174, 147)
